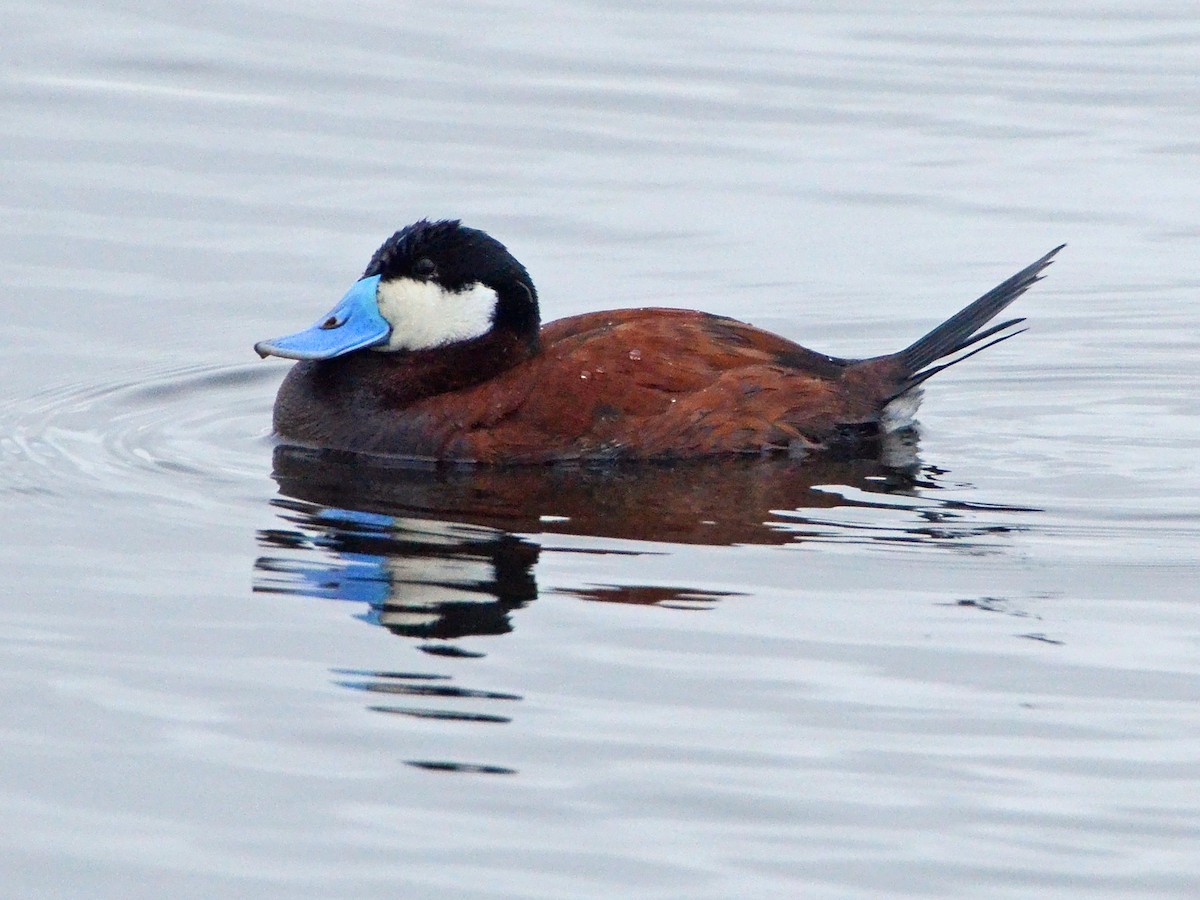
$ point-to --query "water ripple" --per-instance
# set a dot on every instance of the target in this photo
(179, 433)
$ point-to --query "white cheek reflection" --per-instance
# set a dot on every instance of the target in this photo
(424, 315)
(422, 586)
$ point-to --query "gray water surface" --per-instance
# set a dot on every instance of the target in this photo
(230, 669)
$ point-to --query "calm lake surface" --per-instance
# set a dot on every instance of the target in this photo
(234, 669)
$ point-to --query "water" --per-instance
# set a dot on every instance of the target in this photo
(230, 668)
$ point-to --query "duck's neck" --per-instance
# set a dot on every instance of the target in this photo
(404, 377)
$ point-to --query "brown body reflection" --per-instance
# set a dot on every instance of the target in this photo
(730, 501)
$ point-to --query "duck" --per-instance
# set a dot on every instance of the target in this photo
(438, 353)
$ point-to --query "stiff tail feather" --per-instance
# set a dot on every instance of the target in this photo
(962, 330)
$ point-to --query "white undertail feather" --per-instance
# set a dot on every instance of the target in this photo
(901, 412)
(424, 315)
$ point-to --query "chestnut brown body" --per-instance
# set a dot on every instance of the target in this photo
(639, 383)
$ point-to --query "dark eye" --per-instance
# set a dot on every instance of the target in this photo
(424, 268)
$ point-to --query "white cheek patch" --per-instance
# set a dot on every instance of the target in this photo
(424, 315)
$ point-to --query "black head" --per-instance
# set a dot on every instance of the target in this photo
(458, 260)
(431, 285)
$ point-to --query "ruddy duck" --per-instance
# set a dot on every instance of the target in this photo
(437, 352)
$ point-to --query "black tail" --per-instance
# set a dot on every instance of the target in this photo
(961, 330)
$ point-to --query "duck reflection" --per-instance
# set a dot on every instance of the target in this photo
(439, 554)
(444, 552)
